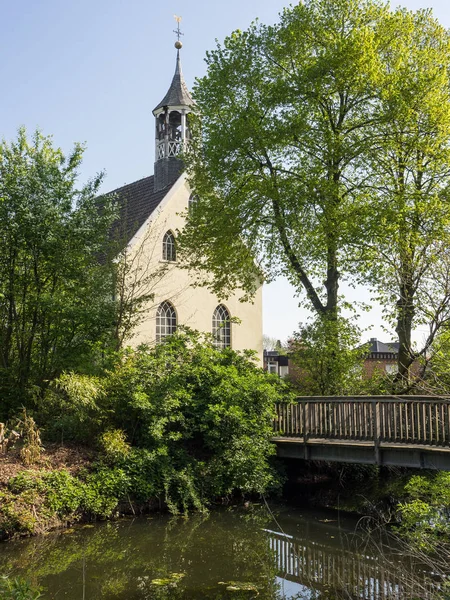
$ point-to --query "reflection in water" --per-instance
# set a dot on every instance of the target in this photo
(230, 554)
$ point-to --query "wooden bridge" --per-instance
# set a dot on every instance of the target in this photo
(404, 431)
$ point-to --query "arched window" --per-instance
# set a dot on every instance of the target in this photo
(169, 249)
(166, 321)
(193, 199)
(221, 327)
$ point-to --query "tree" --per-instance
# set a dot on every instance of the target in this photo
(271, 343)
(409, 166)
(322, 155)
(287, 112)
(56, 300)
(328, 364)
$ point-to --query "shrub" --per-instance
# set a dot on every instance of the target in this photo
(204, 415)
(70, 408)
(102, 491)
(425, 514)
(114, 445)
(39, 500)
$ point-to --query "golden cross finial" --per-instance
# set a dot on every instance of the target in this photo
(177, 30)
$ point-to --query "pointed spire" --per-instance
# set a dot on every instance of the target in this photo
(178, 94)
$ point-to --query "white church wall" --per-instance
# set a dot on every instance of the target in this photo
(194, 306)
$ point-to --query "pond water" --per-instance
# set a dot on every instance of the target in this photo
(236, 554)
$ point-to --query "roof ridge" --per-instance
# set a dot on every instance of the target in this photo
(128, 184)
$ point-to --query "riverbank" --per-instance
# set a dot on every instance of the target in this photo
(68, 484)
(71, 484)
(56, 457)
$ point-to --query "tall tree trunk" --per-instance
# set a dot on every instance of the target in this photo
(405, 316)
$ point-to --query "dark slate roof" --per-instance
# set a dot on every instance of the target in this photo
(178, 94)
(137, 201)
(275, 356)
(377, 346)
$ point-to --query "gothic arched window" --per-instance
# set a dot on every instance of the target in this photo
(221, 327)
(169, 251)
(166, 321)
(193, 199)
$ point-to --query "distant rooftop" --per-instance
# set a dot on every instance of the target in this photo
(377, 347)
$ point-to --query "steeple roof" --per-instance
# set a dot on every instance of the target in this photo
(178, 94)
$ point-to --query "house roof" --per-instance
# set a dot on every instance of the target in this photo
(375, 346)
(137, 201)
(178, 94)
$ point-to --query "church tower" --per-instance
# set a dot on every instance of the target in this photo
(172, 126)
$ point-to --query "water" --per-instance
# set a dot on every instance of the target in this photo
(231, 554)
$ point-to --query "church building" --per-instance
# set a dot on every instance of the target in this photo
(152, 211)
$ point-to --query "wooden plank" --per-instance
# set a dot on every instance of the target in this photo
(389, 408)
(430, 424)
(376, 430)
(407, 422)
(402, 419)
(424, 423)
(436, 424)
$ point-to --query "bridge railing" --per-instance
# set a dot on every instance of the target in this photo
(404, 419)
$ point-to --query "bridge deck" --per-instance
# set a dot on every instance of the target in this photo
(402, 431)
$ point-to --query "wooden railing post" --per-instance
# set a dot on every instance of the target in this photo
(306, 421)
(376, 430)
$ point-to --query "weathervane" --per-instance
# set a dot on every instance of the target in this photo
(178, 43)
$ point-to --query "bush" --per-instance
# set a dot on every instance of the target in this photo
(425, 514)
(36, 501)
(204, 415)
(114, 445)
(70, 408)
(182, 422)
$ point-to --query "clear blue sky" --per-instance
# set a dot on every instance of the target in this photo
(93, 70)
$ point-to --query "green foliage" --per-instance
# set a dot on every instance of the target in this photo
(55, 295)
(17, 588)
(38, 500)
(203, 416)
(407, 219)
(102, 491)
(287, 113)
(323, 155)
(114, 445)
(328, 358)
(145, 473)
(18, 513)
(70, 408)
(284, 114)
(425, 515)
(436, 366)
(199, 424)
